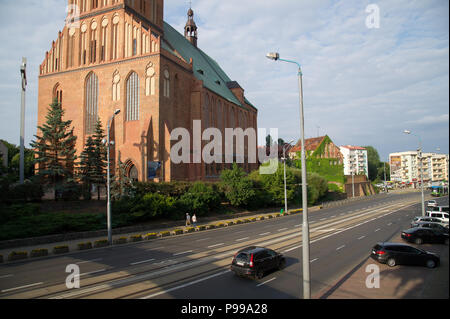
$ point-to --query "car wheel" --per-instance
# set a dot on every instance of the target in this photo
(259, 274)
(282, 264)
(419, 241)
(431, 263)
(391, 262)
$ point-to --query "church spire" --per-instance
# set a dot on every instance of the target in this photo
(190, 30)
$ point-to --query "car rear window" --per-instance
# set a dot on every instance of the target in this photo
(377, 247)
(444, 209)
(243, 257)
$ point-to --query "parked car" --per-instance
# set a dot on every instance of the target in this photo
(425, 219)
(255, 261)
(443, 209)
(420, 235)
(432, 203)
(437, 226)
(394, 254)
(442, 216)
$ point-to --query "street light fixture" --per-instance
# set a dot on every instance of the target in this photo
(419, 156)
(305, 226)
(108, 178)
(23, 72)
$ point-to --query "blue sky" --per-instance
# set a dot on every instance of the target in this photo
(361, 86)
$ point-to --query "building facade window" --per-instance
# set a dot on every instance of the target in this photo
(150, 80)
(91, 93)
(166, 83)
(133, 97)
(116, 86)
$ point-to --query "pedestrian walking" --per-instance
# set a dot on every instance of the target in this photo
(188, 219)
(194, 220)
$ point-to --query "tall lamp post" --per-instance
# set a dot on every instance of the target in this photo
(23, 72)
(305, 226)
(108, 179)
(284, 159)
(419, 155)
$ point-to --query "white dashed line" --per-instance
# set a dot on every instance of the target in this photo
(389, 224)
(377, 229)
(92, 272)
(265, 282)
(88, 261)
(5, 276)
(142, 262)
(361, 237)
(314, 260)
(184, 252)
(264, 234)
(216, 245)
(241, 239)
(340, 247)
(21, 287)
(281, 229)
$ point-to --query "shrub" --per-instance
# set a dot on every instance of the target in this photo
(219, 225)
(230, 223)
(17, 255)
(150, 236)
(135, 238)
(150, 206)
(212, 226)
(261, 217)
(239, 221)
(120, 241)
(39, 252)
(165, 233)
(101, 243)
(84, 246)
(190, 229)
(201, 227)
(201, 198)
(178, 231)
(61, 249)
(238, 188)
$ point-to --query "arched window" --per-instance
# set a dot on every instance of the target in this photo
(116, 86)
(91, 103)
(166, 83)
(133, 97)
(150, 81)
(57, 93)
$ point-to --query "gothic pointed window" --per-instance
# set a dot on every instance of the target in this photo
(166, 83)
(116, 86)
(150, 81)
(133, 97)
(91, 102)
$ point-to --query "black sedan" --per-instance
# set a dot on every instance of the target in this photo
(394, 254)
(420, 235)
(255, 261)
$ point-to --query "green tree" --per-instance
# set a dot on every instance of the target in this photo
(373, 160)
(200, 199)
(99, 161)
(86, 167)
(55, 148)
(236, 185)
(122, 186)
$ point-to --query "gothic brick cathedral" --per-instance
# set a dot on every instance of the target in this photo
(120, 54)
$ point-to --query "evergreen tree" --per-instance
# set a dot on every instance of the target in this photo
(55, 148)
(99, 170)
(86, 169)
(121, 185)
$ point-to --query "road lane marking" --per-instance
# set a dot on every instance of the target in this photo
(299, 225)
(377, 229)
(340, 247)
(5, 276)
(184, 252)
(389, 224)
(185, 285)
(241, 239)
(265, 282)
(333, 216)
(22, 287)
(91, 272)
(361, 237)
(150, 249)
(142, 262)
(212, 246)
(88, 261)
(281, 229)
(290, 249)
(314, 260)
(265, 233)
(203, 239)
(322, 218)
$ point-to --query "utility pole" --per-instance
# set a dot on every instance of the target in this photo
(23, 72)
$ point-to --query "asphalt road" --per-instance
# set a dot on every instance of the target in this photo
(196, 265)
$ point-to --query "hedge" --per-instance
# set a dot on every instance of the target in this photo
(177, 231)
(17, 255)
(165, 233)
(39, 252)
(101, 243)
(150, 236)
(135, 238)
(121, 240)
(190, 229)
(201, 227)
(84, 246)
(61, 249)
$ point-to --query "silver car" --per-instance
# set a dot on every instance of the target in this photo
(427, 219)
(430, 225)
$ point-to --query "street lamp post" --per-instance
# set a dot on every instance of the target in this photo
(305, 225)
(419, 157)
(23, 72)
(285, 191)
(108, 179)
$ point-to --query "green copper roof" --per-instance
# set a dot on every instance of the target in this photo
(205, 68)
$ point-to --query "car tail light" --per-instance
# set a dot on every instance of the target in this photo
(407, 235)
(380, 252)
(251, 261)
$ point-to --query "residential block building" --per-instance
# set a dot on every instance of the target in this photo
(355, 160)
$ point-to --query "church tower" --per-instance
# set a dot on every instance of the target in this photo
(190, 30)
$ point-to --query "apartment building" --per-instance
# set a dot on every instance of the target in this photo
(355, 160)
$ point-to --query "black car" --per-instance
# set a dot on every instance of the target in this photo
(420, 235)
(436, 226)
(255, 261)
(394, 254)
